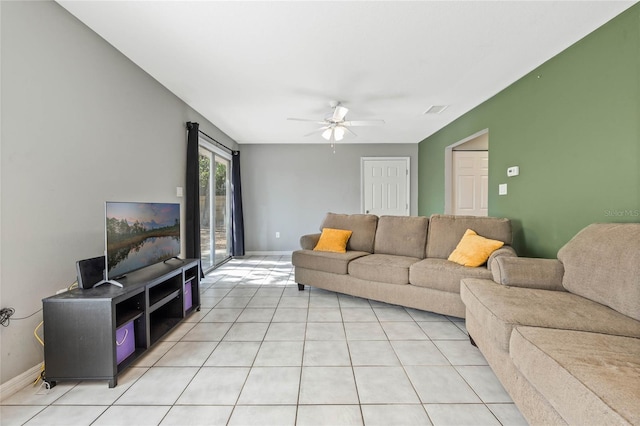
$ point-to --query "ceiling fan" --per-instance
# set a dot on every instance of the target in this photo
(334, 125)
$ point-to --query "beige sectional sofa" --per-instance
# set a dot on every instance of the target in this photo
(399, 259)
(563, 335)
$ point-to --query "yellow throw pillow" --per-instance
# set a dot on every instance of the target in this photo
(474, 250)
(334, 240)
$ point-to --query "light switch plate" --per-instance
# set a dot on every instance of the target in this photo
(502, 189)
(179, 191)
(513, 171)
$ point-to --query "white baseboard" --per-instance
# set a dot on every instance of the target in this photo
(18, 383)
(268, 253)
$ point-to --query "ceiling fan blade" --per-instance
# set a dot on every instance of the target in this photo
(349, 130)
(339, 113)
(308, 120)
(363, 123)
(320, 130)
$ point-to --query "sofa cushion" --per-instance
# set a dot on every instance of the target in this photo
(401, 235)
(445, 232)
(602, 263)
(473, 249)
(589, 378)
(384, 268)
(441, 274)
(500, 308)
(334, 240)
(336, 263)
(362, 225)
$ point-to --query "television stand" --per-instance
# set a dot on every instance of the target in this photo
(96, 333)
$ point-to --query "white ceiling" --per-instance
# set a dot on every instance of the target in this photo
(248, 66)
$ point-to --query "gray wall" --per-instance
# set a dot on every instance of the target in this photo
(290, 188)
(81, 124)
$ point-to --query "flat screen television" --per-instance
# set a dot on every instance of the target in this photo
(139, 235)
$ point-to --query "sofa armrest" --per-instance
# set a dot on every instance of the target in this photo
(528, 272)
(507, 251)
(308, 242)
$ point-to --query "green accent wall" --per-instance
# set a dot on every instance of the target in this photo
(573, 127)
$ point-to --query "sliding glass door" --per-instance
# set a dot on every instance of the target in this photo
(222, 210)
(215, 207)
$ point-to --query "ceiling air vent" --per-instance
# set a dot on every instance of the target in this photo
(436, 109)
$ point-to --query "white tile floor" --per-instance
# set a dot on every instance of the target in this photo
(260, 352)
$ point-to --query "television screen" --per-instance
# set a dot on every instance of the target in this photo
(140, 234)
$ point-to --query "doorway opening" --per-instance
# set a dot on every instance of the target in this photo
(467, 175)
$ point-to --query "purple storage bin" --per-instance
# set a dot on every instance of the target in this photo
(188, 300)
(125, 341)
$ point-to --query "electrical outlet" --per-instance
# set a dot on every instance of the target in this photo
(502, 189)
(277, 234)
(513, 171)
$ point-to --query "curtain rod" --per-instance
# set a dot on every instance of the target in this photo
(219, 143)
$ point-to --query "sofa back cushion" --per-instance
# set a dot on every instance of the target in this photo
(602, 263)
(362, 225)
(446, 231)
(402, 235)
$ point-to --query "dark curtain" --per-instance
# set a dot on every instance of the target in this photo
(237, 220)
(192, 228)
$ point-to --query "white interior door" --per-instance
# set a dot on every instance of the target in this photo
(471, 183)
(385, 185)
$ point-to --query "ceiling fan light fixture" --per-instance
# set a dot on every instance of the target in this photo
(327, 134)
(338, 133)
